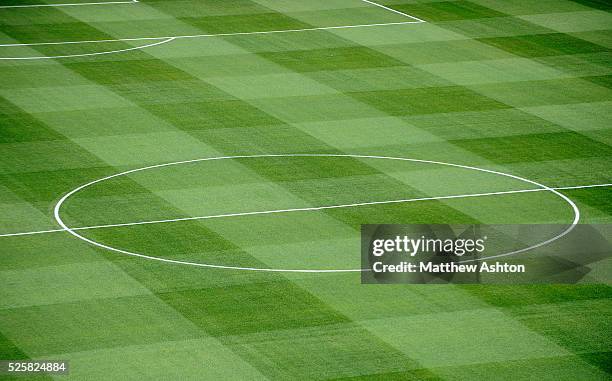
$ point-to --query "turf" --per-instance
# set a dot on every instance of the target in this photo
(521, 87)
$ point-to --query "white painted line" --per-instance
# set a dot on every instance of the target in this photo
(59, 220)
(585, 186)
(393, 10)
(89, 54)
(314, 208)
(68, 4)
(263, 212)
(32, 233)
(171, 38)
(211, 35)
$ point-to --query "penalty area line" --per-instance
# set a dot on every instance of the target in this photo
(209, 35)
(306, 209)
(165, 39)
(393, 10)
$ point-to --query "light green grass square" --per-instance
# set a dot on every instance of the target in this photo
(272, 85)
(154, 148)
(576, 117)
(443, 51)
(397, 34)
(369, 132)
(96, 122)
(463, 337)
(493, 71)
(572, 21)
(65, 283)
(391, 300)
(286, 6)
(64, 98)
(94, 324)
(371, 79)
(316, 108)
(186, 360)
(232, 198)
(528, 7)
(227, 66)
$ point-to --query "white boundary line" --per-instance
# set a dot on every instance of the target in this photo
(89, 54)
(211, 35)
(58, 219)
(314, 208)
(68, 4)
(171, 38)
(393, 10)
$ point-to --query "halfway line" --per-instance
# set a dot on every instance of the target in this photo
(314, 208)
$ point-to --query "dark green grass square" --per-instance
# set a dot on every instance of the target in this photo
(288, 169)
(558, 368)
(525, 295)
(242, 309)
(602, 360)
(536, 147)
(121, 208)
(46, 186)
(409, 375)
(258, 22)
(548, 92)
(331, 59)
(261, 139)
(581, 65)
(541, 45)
(184, 240)
(56, 32)
(428, 100)
(8, 350)
(132, 71)
(601, 80)
(161, 277)
(18, 127)
(598, 198)
(404, 213)
(346, 189)
(319, 353)
(580, 326)
(447, 10)
(45, 156)
(495, 27)
(604, 5)
(192, 8)
(397, 77)
(216, 114)
(169, 91)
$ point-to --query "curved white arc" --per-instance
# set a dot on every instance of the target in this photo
(89, 54)
(58, 205)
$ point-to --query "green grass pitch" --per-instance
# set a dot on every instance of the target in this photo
(521, 87)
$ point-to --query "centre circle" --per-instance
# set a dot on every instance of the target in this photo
(60, 221)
